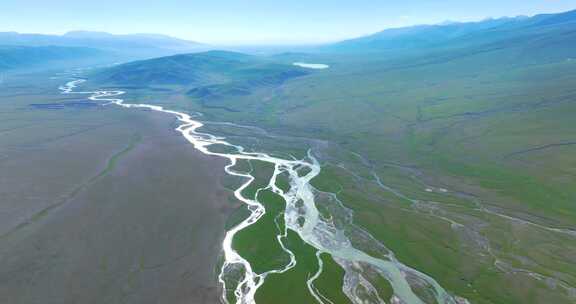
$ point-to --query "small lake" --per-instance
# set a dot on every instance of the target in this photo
(315, 66)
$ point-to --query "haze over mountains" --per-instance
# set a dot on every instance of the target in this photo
(13, 57)
(40, 49)
(531, 34)
(468, 34)
(542, 38)
(99, 39)
(102, 40)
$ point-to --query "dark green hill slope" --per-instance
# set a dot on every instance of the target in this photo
(188, 69)
(205, 76)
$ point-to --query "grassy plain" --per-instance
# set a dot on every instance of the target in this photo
(101, 204)
(486, 146)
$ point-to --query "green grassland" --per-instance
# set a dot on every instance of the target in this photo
(469, 125)
(258, 243)
(329, 283)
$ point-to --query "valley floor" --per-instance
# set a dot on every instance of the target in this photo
(104, 205)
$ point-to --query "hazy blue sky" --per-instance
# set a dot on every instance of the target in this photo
(254, 21)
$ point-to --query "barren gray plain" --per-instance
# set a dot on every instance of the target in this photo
(100, 204)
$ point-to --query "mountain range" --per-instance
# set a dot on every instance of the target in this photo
(111, 47)
(544, 28)
(103, 40)
(530, 36)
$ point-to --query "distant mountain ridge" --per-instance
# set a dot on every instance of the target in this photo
(144, 40)
(139, 45)
(463, 33)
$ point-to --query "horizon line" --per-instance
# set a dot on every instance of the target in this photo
(284, 42)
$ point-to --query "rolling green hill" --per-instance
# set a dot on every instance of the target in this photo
(205, 76)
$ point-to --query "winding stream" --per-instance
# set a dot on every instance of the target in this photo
(317, 231)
